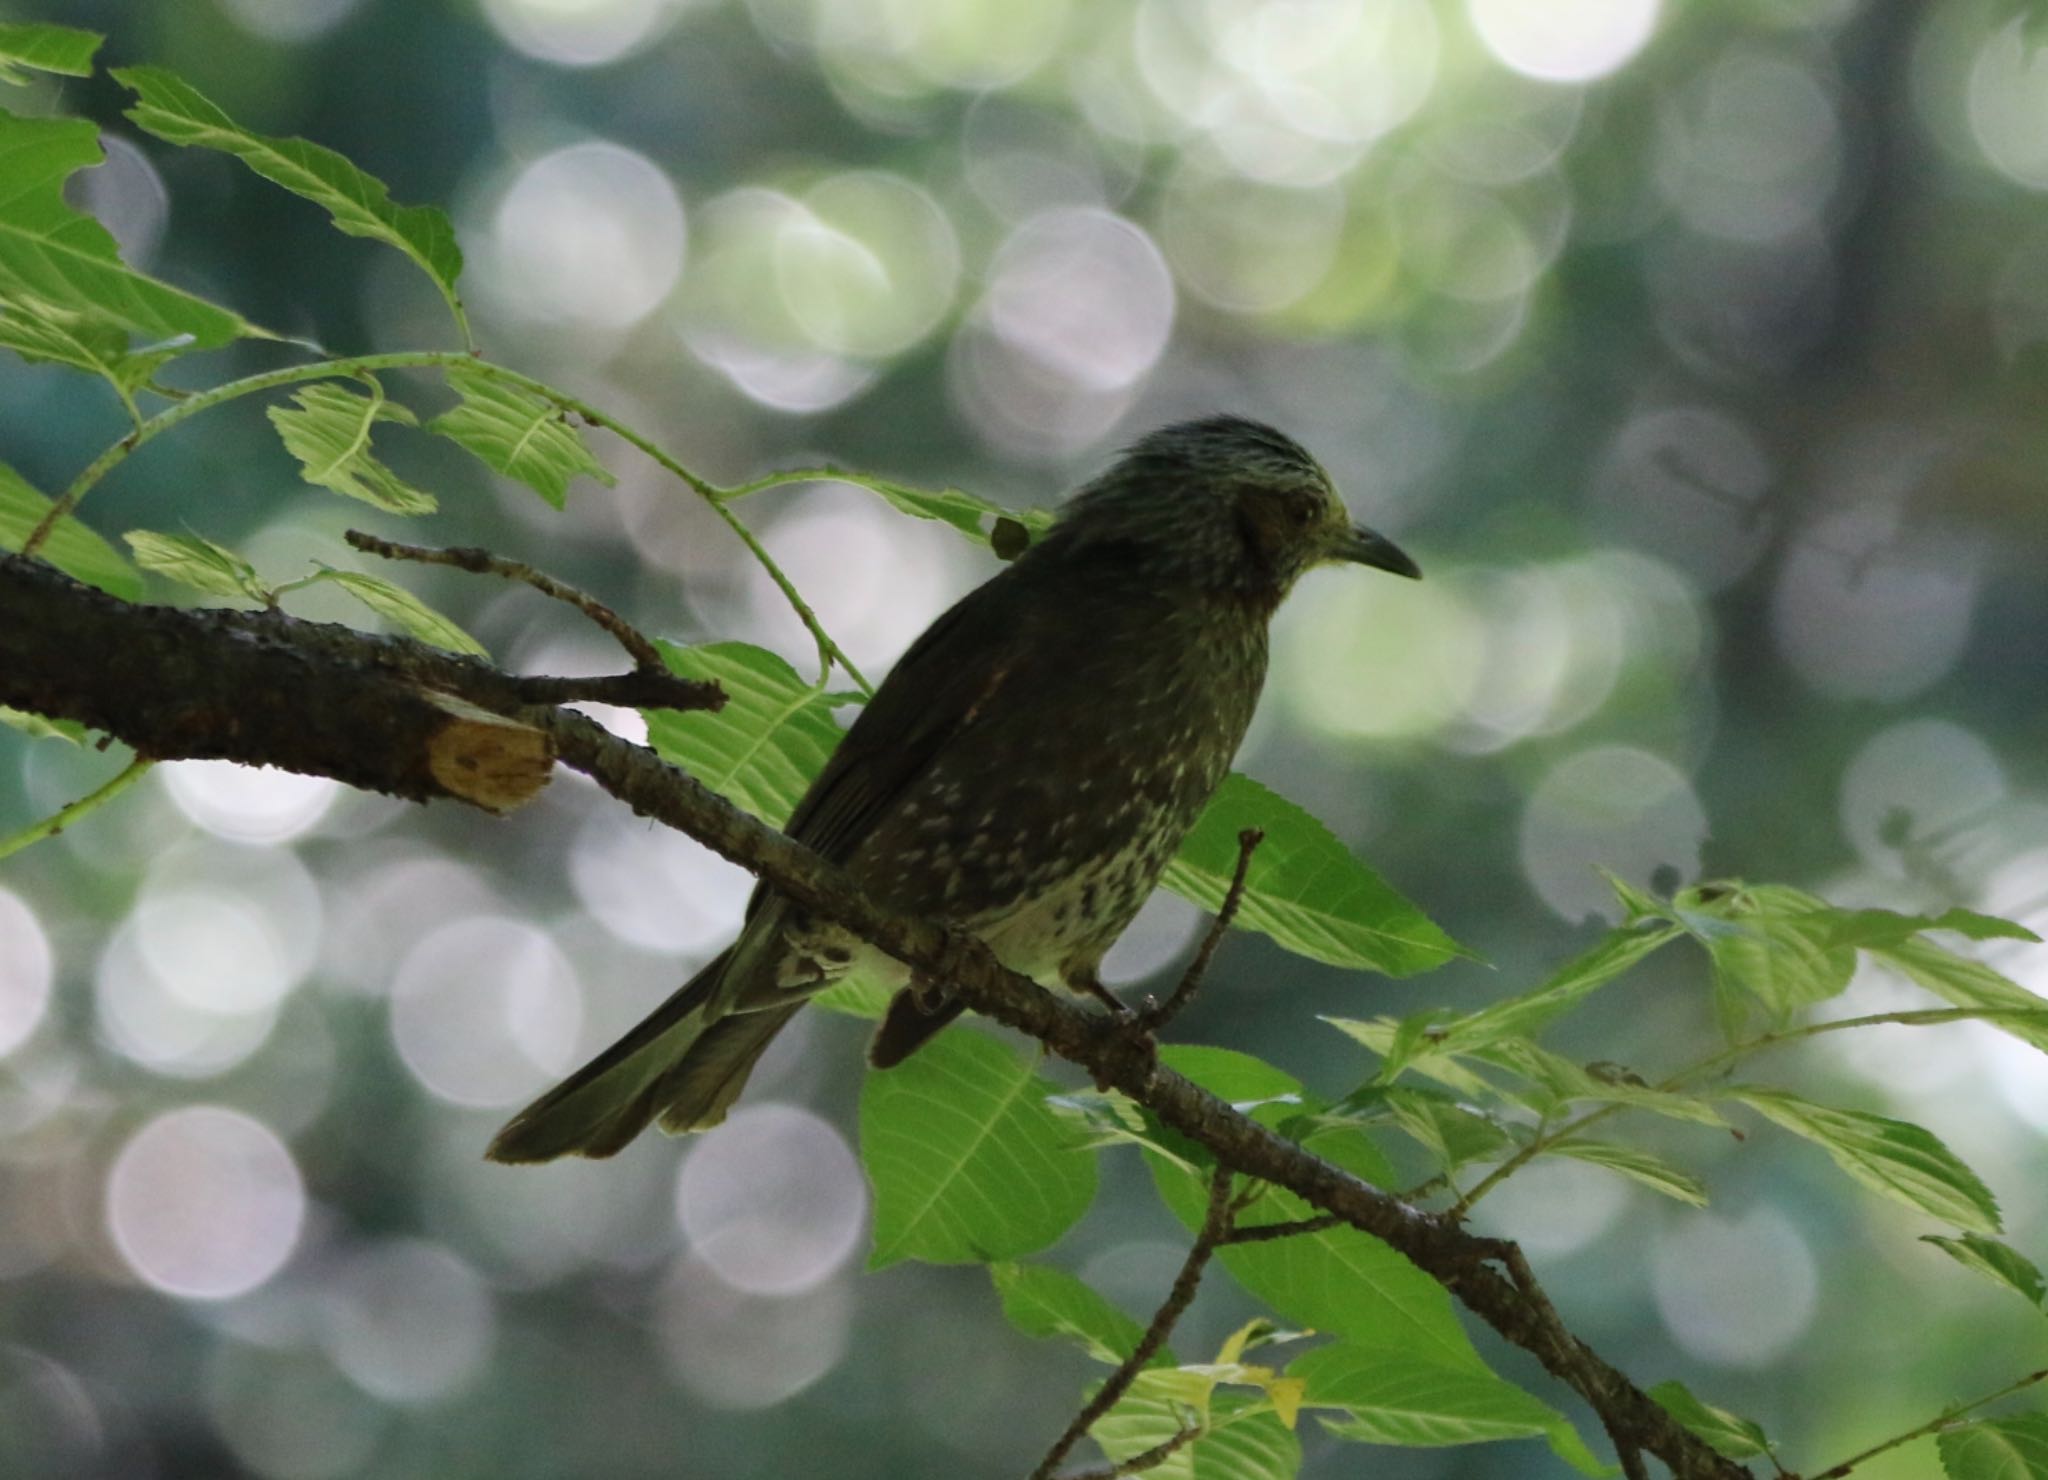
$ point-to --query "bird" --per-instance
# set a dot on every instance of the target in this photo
(1024, 773)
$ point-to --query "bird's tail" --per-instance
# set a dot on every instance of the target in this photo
(682, 1064)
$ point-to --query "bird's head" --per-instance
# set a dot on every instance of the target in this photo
(1227, 503)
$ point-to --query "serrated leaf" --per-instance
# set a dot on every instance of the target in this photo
(1042, 1301)
(1637, 904)
(1455, 1134)
(1903, 1161)
(1389, 1037)
(1398, 1396)
(517, 434)
(68, 261)
(1782, 952)
(967, 1163)
(1558, 1081)
(405, 611)
(1304, 887)
(1969, 983)
(97, 345)
(1729, 1435)
(763, 748)
(45, 48)
(328, 430)
(1998, 1449)
(1637, 1165)
(1244, 1438)
(39, 727)
(72, 547)
(1869, 928)
(1997, 1262)
(358, 203)
(964, 511)
(196, 562)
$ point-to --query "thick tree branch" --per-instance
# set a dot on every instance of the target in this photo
(265, 689)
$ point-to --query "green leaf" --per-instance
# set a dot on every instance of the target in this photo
(176, 112)
(93, 343)
(1869, 928)
(964, 511)
(1640, 1166)
(196, 562)
(967, 1162)
(763, 748)
(1903, 1161)
(405, 611)
(1404, 1040)
(1967, 983)
(38, 727)
(1453, 1133)
(1392, 1395)
(1782, 953)
(1556, 1081)
(1304, 888)
(72, 547)
(517, 434)
(2000, 1449)
(67, 261)
(45, 48)
(1244, 1440)
(1997, 1262)
(328, 430)
(1522, 1016)
(1042, 1301)
(1730, 1436)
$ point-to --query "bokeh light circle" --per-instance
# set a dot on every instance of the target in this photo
(485, 1011)
(205, 1203)
(772, 1202)
(579, 33)
(732, 1349)
(26, 971)
(1736, 1291)
(1564, 40)
(408, 1322)
(248, 804)
(1613, 807)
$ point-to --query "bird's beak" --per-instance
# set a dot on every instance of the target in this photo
(1362, 547)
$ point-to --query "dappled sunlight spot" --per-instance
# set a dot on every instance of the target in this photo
(1752, 150)
(772, 1202)
(26, 970)
(1866, 608)
(1245, 246)
(590, 236)
(581, 33)
(1556, 1207)
(165, 1029)
(1378, 659)
(484, 1011)
(1737, 1291)
(289, 21)
(248, 804)
(1162, 934)
(204, 1203)
(1564, 40)
(1613, 807)
(654, 888)
(127, 196)
(1692, 485)
(1083, 295)
(1920, 784)
(2008, 103)
(732, 1349)
(288, 1415)
(407, 1321)
(53, 1427)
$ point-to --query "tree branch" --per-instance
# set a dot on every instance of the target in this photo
(267, 689)
(1215, 1227)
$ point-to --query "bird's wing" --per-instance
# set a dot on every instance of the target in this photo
(934, 691)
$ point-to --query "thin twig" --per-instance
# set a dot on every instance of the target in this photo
(1157, 1015)
(1934, 1425)
(1150, 1459)
(1571, 1352)
(1260, 1233)
(1215, 1228)
(482, 562)
(63, 817)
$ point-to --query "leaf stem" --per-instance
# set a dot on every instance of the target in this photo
(1940, 1421)
(57, 821)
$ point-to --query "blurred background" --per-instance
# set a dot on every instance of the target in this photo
(1693, 348)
